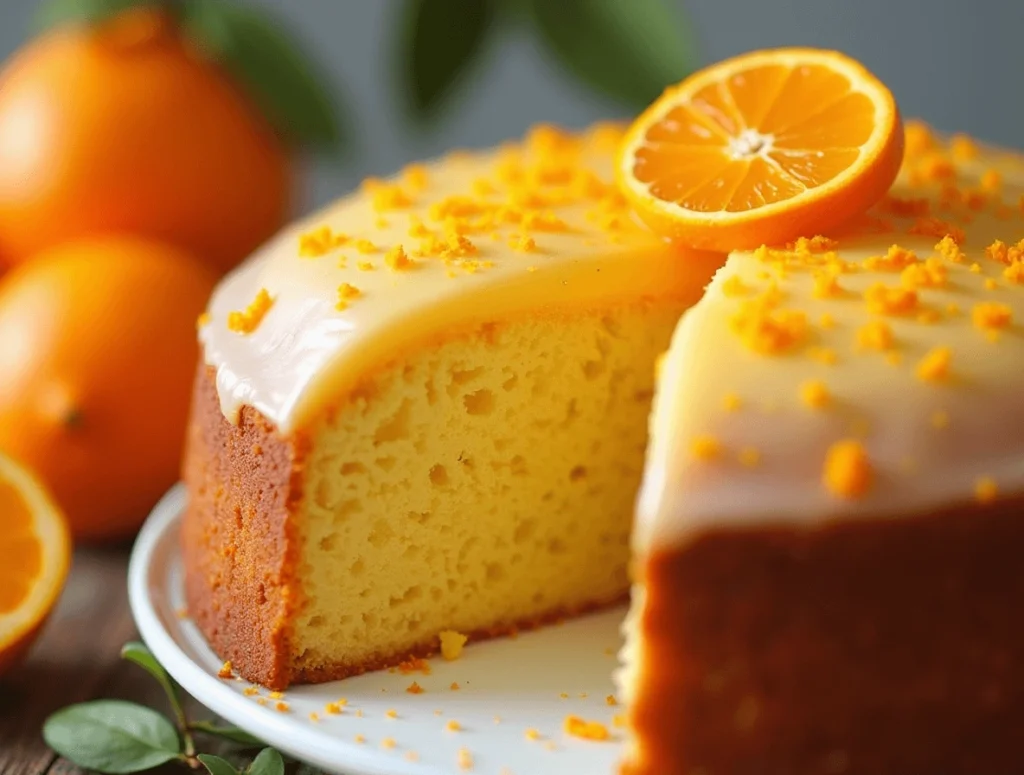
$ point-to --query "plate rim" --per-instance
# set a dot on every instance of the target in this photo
(305, 744)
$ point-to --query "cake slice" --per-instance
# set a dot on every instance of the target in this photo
(425, 409)
(828, 530)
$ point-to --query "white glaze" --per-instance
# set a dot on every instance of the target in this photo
(305, 353)
(917, 466)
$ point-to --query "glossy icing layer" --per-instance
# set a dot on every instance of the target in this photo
(484, 236)
(851, 378)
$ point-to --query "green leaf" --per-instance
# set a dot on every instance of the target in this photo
(441, 41)
(112, 736)
(139, 654)
(267, 762)
(57, 12)
(269, 66)
(629, 50)
(234, 734)
(217, 766)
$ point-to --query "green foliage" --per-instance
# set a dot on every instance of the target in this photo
(225, 732)
(114, 736)
(441, 41)
(253, 48)
(629, 50)
(282, 82)
(54, 12)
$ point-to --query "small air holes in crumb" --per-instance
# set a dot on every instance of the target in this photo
(439, 476)
(577, 473)
(479, 403)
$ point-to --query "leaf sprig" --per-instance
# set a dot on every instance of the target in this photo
(119, 737)
(628, 50)
(278, 76)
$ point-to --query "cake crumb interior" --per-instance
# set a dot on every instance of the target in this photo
(493, 476)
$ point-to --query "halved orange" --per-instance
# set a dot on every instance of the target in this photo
(35, 551)
(762, 148)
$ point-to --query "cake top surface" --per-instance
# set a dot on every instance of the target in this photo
(468, 238)
(876, 371)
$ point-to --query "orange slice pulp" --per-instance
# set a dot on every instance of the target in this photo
(35, 551)
(762, 148)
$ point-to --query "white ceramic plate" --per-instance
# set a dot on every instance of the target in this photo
(506, 687)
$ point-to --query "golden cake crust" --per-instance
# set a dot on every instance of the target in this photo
(237, 540)
(241, 548)
(888, 645)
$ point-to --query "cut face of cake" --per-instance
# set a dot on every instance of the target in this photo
(833, 497)
(425, 409)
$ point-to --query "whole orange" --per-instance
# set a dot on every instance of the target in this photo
(125, 128)
(97, 352)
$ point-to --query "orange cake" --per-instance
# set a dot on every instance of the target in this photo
(426, 409)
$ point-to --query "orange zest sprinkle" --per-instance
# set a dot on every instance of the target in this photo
(963, 148)
(896, 258)
(455, 686)
(523, 243)
(388, 742)
(815, 394)
(877, 335)
(226, 670)
(935, 227)
(281, 707)
(465, 759)
(346, 293)
(320, 242)
(396, 259)
(705, 448)
(585, 730)
(929, 274)
(934, 366)
(847, 472)
(389, 197)
(414, 665)
(416, 176)
(885, 300)
(826, 284)
(453, 726)
(332, 708)
(990, 316)
(767, 331)
(949, 249)
(986, 490)
(415, 688)
(248, 320)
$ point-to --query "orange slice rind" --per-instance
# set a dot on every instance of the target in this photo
(762, 148)
(35, 552)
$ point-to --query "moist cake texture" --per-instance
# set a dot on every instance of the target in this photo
(835, 474)
(426, 408)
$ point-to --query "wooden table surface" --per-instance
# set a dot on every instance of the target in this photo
(75, 659)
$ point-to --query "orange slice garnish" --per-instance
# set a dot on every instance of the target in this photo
(35, 551)
(762, 148)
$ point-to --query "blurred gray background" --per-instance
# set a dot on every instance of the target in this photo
(956, 63)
